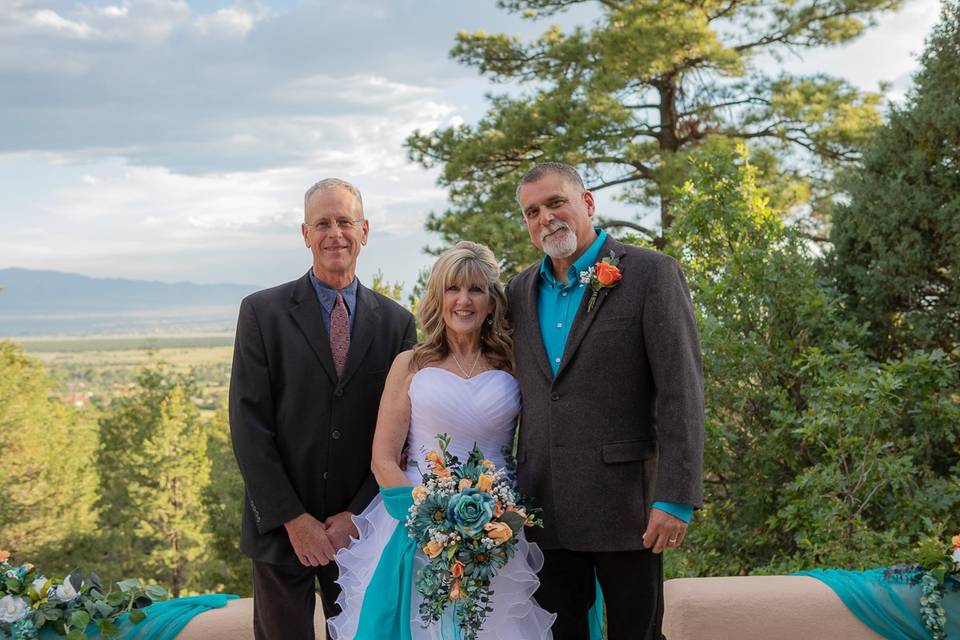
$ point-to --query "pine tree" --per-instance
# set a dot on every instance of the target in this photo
(897, 241)
(227, 568)
(47, 494)
(628, 97)
(154, 470)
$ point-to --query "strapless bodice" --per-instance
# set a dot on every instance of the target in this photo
(482, 410)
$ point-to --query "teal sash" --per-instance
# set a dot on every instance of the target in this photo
(165, 619)
(595, 615)
(889, 607)
(385, 612)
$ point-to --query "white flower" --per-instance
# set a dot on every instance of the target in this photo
(956, 557)
(65, 591)
(12, 609)
(585, 276)
(37, 586)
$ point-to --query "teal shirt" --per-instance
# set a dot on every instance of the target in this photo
(557, 307)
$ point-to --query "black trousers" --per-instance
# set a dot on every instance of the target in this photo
(632, 584)
(284, 598)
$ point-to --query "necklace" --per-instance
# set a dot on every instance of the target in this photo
(460, 366)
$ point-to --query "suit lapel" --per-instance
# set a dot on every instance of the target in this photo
(583, 320)
(365, 321)
(531, 293)
(305, 309)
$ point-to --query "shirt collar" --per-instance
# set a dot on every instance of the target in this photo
(327, 295)
(582, 263)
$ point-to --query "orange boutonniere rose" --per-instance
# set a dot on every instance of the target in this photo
(605, 274)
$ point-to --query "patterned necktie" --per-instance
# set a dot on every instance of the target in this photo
(339, 334)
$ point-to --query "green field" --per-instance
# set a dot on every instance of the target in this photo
(72, 344)
(94, 370)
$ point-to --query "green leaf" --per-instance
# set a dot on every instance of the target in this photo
(155, 592)
(130, 584)
(76, 634)
(137, 616)
(79, 619)
(115, 598)
(13, 585)
(103, 609)
(108, 629)
(51, 613)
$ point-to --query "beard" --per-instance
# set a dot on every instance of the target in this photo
(563, 242)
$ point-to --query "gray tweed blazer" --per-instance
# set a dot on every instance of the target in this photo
(621, 424)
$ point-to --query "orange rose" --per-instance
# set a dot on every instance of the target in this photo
(442, 472)
(455, 592)
(497, 509)
(4, 556)
(432, 549)
(457, 569)
(419, 493)
(498, 532)
(608, 274)
(489, 465)
(465, 483)
(485, 482)
(435, 458)
(956, 542)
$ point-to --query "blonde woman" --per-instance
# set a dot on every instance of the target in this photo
(459, 381)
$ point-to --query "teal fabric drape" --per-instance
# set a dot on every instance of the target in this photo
(385, 612)
(595, 615)
(889, 607)
(165, 620)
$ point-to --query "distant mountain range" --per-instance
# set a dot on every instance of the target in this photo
(53, 302)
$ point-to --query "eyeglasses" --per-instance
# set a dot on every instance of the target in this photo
(344, 224)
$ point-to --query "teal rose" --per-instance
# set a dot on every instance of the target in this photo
(469, 510)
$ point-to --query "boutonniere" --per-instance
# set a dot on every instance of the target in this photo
(605, 274)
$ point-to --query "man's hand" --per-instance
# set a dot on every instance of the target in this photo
(310, 540)
(340, 529)
(663, 531)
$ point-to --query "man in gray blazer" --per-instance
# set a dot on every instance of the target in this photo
(611, 432)
(309, 365)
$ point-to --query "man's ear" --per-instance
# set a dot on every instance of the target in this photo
(591, 205)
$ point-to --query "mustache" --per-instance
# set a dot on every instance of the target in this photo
(553, 228)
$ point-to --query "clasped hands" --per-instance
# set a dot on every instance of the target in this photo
(316, 542)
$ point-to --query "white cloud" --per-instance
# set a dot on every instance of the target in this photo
(225, 23)
(49, 19)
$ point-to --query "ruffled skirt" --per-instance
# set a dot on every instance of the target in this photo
(515, 614)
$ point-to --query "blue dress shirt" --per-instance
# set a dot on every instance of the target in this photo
(327, 296)
(557, 307)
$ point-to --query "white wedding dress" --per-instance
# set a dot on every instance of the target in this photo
(481, 410)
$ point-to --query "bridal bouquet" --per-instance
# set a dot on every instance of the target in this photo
(936, 571)
(29, 601)
(465, 517)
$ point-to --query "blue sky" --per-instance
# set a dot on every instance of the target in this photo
(173, 140)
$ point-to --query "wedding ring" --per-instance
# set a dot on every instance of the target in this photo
(672, 541)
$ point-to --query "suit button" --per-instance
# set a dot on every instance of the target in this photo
(554, 396)
(335, 435)
(324, 475)
(338, 393)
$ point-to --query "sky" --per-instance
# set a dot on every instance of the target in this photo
(173, 140)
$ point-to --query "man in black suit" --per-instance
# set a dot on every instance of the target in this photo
(611, 430)
(309, 365)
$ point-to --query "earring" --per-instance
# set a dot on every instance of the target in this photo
(490, 320)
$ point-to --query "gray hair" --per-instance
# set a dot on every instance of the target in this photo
(333, 183)
(565, 171)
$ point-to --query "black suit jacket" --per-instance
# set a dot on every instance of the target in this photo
(621, 424)
(302, 436)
